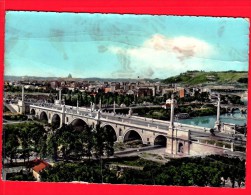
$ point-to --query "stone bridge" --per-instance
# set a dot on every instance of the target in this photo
(175, 138)
(229, 107)
(178, 139)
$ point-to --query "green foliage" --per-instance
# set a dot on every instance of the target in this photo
(207, 171)
(243, 80)
(16, 117)
(20, 176)
(27, 136)
(86, 171)
(200, 77)
(234, 99)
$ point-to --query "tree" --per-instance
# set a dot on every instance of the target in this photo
(52, 147)
(109, 139)
(98, 140)
(10, 142)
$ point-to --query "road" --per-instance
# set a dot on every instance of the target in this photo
(7, 122)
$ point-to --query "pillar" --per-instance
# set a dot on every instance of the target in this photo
(77, 107)
(188, 142)
(63, 116)
(91, 106)
(130, 112)
(114, 111)
(153, 91)
(171, 140)
(232, 146)
(217, 122)
(59, 96)
(22, 93)
(172, 112)
(98, 116)
(100, 104)
(21, 104)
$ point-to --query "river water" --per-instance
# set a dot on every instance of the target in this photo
(208, 121)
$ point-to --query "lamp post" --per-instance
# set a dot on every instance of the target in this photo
(172, 140)
(217, 122)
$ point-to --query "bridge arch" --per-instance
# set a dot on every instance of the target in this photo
(133, 135)
(235, 109)
(109, 129)
(55, 121)
(78, 124)
(43, 117)
(243, 110)
(180, 147)
(160, 140)
(32, 111)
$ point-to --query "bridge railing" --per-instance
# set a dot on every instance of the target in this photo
(44, 105)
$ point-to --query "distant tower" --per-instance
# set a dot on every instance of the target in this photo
(217, 122)
(69, 76)
(21, 104)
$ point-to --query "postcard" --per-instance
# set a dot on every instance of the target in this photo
(125, 99)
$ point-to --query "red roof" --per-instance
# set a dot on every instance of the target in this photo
(42, 165)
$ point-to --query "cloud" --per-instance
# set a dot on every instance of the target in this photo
(161, 56)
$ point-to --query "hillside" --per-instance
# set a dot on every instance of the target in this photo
(201, 77)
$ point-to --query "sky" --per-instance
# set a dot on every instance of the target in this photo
(50, 44)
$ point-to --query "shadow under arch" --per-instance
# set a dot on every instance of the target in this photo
(43, 117)
(131, 136)
(55, 121)
(78, 124)
(160, 140)
(110, 131)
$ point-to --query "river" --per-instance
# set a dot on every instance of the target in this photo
(208, 121)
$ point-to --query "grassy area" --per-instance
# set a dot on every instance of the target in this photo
(200, 77)
(230, 76)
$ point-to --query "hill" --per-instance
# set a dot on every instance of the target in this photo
(201, 77)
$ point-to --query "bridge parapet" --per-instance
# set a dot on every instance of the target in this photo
(46, 107)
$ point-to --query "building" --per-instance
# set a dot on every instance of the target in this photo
(181, 92)
(54, 84)
(40, 166)
(143, 92)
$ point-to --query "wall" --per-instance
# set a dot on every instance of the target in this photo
(197, 148)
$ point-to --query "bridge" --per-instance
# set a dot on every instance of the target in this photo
(232, 107)
(229, 107)
(178, 139)
(241, 92)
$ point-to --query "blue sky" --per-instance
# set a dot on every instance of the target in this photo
(122, 46)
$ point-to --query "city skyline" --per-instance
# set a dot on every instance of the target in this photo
(122, 46)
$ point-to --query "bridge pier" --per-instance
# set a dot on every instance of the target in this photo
(62, 116)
